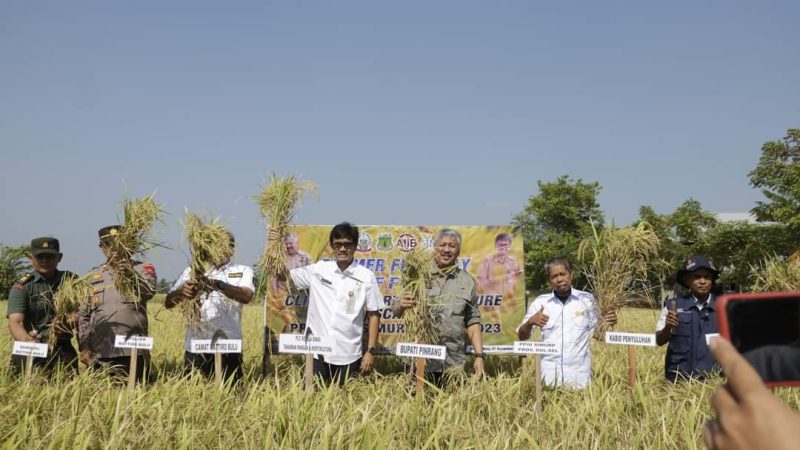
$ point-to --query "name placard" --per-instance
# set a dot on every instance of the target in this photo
(220, 346)
(711, 336)
(421, 350)
(34, 349)
(140, 342)
(643, 339)
(298, 343)
(491, 349)
(536, 348)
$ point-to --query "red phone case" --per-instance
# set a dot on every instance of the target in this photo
(724, 329)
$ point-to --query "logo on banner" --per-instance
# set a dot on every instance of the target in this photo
(406, 242)
(385, 242)
(364, 242)
(426, 240)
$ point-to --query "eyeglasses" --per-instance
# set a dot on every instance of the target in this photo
(342, 245)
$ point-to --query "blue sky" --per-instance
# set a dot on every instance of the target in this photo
(402, 112)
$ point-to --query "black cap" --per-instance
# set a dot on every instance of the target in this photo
(43, 245)
(109, 232)
(695, 263)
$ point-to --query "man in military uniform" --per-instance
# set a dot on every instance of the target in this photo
(30, 307)
(109, 313)
(456, 308)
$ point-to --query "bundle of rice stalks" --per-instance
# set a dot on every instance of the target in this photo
(211, 248)
(73, 293)
(277, 203)
(616, 262)
(776, 274)
(134, 238)
(416, 278)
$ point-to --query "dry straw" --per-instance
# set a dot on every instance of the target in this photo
(616, 262)
(73, 293)
(277, 202)
(416, 278)
(133, 239)
(776, 274)
(211, 248)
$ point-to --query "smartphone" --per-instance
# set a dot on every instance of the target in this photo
(765, 328)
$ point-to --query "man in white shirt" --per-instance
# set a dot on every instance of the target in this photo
(341, 293)
(567, 317)
(221, 314)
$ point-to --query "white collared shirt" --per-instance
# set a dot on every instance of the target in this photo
(570, 325)
(218, 312)
(337, 302)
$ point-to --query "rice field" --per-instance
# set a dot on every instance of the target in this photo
(378, 411)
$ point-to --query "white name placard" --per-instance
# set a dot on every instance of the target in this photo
(493, 349)
(220, 346)
(298, 343)
(30, 349)
(711, 336)
(140, 342)
(647, 340)
(536, 348)
(421, 350)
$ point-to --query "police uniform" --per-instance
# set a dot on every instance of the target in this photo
(32, 296)
(109, 313)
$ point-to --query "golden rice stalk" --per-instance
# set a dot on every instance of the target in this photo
(211, 248)
(73, 293)
(416, 278)
(616, 262)
(277, 202)
(134, 238)
(776, 274)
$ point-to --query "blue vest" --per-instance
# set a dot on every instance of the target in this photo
(688, 354)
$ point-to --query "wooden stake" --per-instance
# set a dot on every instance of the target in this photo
(631, 365)
(132, 369)
(266, 350)
(308, 372)
(420, 375)
(29, 367)
(537, 407)
(218, 368)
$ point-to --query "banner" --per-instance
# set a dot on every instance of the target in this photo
(493, 255)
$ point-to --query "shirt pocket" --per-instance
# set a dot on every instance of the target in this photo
(680, 340)
(96, 297)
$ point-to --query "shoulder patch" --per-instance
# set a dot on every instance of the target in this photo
(149, 268)
(235, 274)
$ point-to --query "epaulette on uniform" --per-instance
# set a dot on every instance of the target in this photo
(25, 278)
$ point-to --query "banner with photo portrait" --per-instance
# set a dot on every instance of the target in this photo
(493, 255)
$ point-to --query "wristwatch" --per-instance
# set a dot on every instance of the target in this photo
(480, 355)
(371, 350)
(221, 285)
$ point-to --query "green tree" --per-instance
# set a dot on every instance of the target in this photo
(12, 265)
(736, 247)
(553, 223)
(778, 176)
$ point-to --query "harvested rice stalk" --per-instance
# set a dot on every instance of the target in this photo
(73, 293)
(211, 247)
(777, 274)
(616, 263)
(277, 203)
(416, 278)
(133, 239)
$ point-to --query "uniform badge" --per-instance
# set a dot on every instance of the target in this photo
(45, 244)
(578, 313)
(235, 275)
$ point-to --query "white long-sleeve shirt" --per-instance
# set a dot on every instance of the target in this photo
(570, 326)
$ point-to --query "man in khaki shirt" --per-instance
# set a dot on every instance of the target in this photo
(109, 313)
